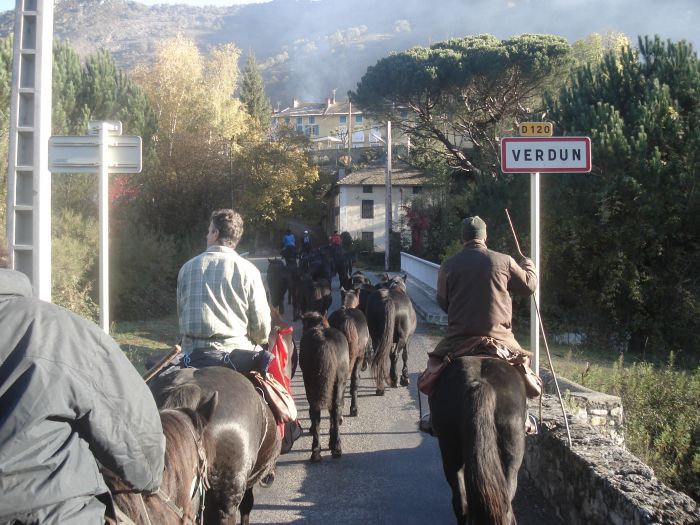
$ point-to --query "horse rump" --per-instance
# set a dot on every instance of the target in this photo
(478, 410)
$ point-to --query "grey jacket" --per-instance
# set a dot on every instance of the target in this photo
(474, 288)
(68, 399)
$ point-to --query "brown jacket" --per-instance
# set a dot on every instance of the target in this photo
(474, 289)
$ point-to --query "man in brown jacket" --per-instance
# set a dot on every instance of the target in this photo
(474, 288)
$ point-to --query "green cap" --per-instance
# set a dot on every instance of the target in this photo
(473, 228)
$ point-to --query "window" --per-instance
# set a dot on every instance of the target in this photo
(311, 131)
(286, 120)
(300, 120)
(368, 237)
(358, 119)
(343, 119)
(312, 120)
(417, 190)
(366, 188)
(404, 113)
(368, 209)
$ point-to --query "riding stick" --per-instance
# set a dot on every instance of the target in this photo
(161, 364)
(544, 337)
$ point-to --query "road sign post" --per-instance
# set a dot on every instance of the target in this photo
(102, 151)
(537, 154)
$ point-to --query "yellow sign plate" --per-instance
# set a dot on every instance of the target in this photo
(536, 129)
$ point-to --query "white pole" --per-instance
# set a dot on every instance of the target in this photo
(535, 250)
(387, 180)
(104, 226)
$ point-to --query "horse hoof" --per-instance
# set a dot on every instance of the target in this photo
(353, 412)
(405, 381)
(267, 480)
(379, 392)
(340, 420)
(394, 384)
(336, 453)
(315, 456)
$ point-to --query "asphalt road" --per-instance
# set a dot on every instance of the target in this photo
(389, 472)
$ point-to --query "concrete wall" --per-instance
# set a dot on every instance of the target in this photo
(597, 481)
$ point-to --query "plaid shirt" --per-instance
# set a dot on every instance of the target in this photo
(221, 302)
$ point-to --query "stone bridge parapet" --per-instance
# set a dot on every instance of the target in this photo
(597, 481)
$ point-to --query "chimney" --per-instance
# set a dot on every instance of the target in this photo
(334, 96)
(328, 103)
(295, 103)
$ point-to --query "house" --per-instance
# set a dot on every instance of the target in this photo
(329, 123)
(357, 201)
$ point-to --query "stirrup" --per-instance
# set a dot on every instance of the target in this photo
(531, 426)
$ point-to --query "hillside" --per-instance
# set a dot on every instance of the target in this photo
(308, 47)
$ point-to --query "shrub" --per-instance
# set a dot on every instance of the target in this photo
(662, 417)
(144, 274)
(74, 253)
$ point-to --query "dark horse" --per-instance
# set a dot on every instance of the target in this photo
(350, 320)
(478, 411)
(188, 451)
(323, 357)
(391, 320)
(243, 429)
(314, 296)
(277, 282)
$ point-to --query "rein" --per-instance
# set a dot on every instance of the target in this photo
(199, 485)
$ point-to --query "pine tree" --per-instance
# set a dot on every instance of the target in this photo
(253, 95)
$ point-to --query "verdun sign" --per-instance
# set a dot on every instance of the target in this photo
(546, 155)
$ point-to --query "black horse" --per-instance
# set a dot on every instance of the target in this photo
(314, 296)
(478, 411)
(277, 282)
(243, 429)
(352, 322)
(391, 320)
(323, 357)
(189, 449)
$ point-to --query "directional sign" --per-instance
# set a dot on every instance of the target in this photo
(546, 154)
(114, 127)
(80, 154)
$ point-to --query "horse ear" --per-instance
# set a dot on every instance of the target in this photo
(206, 409)
(404, 277)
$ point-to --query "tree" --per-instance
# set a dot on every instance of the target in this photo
(624, 243)
(253, 95)
(463, 93)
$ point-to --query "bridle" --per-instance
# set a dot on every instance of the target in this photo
(200, 484)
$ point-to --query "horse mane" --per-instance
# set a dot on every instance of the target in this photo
(183, 429)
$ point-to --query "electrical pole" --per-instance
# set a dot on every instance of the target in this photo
(350, 129)
(387, 183)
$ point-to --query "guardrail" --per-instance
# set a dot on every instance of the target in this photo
(421, 270)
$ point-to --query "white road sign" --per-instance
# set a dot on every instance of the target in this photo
(546, 154)
(80, 154)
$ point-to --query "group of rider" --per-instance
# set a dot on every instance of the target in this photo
(71, 402)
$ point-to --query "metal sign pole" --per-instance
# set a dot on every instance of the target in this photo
(535, 254)
(104, 224)
(387, 217)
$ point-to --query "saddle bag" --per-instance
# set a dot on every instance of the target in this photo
(276, 396)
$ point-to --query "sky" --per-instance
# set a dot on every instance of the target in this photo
(6, 5)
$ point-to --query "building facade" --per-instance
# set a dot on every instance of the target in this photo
(358, 205)
(330, 124)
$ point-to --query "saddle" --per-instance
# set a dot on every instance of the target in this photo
(479, 347)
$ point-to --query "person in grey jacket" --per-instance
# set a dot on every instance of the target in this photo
(70, 401)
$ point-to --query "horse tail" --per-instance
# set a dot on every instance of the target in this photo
(380, 360)
(485, 482)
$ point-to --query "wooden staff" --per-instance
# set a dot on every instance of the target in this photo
(544, 338)
(165, 361)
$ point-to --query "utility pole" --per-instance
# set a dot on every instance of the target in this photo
(387, 183)
(350, 129)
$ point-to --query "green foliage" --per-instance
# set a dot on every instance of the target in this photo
(253, 95)
(74, 262)
(5, 89)
(662, 417)
(144, 274)
(463, 93)
(623, 243)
